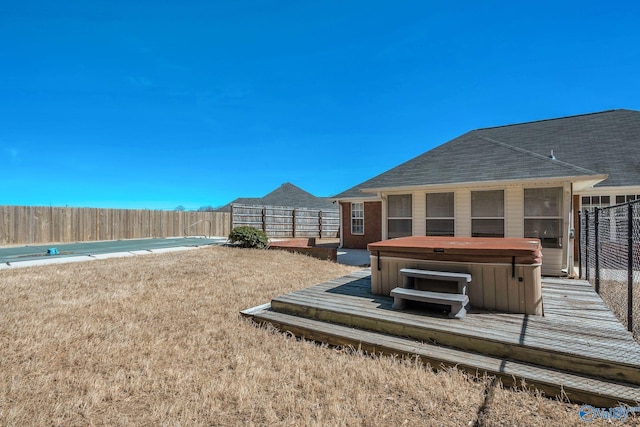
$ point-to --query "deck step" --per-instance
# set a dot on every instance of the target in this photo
(578, 388)
(571, 350)
(456, 302)
(437, 275)
(460, 279)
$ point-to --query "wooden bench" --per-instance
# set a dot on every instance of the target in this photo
(409, 274)
(456, 302)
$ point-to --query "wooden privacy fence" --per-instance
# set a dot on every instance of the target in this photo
(279, 221)
(33, 224)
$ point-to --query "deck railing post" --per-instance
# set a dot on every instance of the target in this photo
(630, 267)
(596, 227)
(586, 245)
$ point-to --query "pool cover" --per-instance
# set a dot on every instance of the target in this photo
(15, 254)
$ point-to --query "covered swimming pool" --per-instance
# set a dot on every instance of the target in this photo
(51, 253)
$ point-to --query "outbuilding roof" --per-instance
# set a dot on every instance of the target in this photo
(597, 144)
(286, 195)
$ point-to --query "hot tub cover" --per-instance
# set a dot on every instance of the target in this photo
(526, 251)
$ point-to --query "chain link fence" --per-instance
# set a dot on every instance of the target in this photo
(610, 258)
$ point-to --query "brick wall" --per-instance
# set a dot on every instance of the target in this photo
(372, 226)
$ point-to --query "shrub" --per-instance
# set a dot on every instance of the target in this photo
(249, 237)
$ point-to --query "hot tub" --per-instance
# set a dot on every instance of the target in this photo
(505, 272)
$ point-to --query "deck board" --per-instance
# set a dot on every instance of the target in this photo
(549, 326)
(578, 335)
(550, 336)
(553, 382)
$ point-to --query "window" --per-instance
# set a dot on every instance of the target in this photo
(440, 216)
(620, 223)
(399, 213)
(357, 218)
(590, 202)
(543, 215)
(487, 213)
(625, 199)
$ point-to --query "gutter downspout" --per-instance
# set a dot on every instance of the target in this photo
(570, 234)
(385, 220)
(341, 226)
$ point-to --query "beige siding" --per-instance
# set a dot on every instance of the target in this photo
(385, 222)
(554, 261)
(419, 213)
(514, 212)
(463, 213)
(567, 244)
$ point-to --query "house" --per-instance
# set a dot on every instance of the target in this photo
(521, 180)
(285, 195)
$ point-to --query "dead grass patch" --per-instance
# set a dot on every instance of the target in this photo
(615, 295)
(157, 340)
(509, 407)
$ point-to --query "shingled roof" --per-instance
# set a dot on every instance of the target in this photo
(597, 144)
(286, 195)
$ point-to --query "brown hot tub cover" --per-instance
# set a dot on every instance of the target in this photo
(527, 251)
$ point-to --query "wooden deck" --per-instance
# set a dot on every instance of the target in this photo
(578, 348)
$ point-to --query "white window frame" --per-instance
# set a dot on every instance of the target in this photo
(595, 201)
(357, 208)
(502, 218)
(452, 217)
(627, 198)
(533, 216)
(391, 218)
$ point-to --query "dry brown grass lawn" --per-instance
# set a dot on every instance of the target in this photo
(157, 340)
(614, 294)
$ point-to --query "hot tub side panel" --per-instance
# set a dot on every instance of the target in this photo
(493, 286)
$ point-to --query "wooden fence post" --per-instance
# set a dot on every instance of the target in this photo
(264, 219)
(293, 221)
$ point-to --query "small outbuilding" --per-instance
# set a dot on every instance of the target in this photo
(285, 195)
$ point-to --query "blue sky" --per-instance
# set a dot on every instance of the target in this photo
(158, 104)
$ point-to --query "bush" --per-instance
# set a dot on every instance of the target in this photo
(249, 237)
